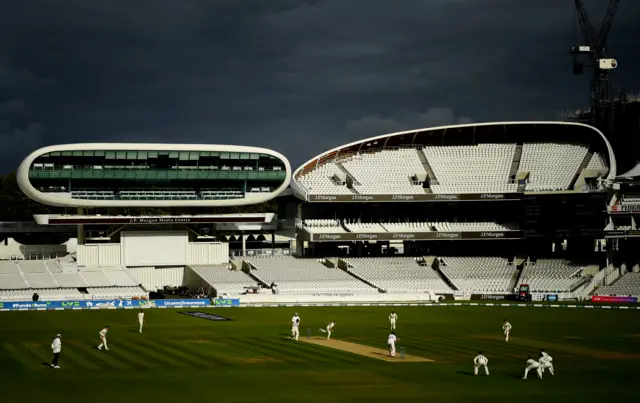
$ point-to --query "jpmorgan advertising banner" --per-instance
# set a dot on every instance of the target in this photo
(621, 233)
(411, 236)
(355, 198)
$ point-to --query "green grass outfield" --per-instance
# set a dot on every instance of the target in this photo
(180, 358)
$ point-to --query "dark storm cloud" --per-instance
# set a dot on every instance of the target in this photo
(296, 76)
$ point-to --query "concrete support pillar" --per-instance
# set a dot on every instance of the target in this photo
(80, 233)
(244, 245)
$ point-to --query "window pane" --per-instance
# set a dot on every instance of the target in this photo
(99, 153)
(153, 154)
(174, 154)
(142, 155)
(121, 155)
(110, 155)
(132, 155)
(194, 156)
(184, 156)
(234, 156)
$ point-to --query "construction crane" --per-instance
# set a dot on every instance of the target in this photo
(592, 53)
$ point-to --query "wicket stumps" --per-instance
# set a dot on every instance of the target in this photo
(308, 333)
(402, 352)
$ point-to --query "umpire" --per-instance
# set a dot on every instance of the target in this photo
(56, 346)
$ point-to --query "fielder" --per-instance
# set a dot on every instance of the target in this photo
(295, 324)
(329, 327)
(103, 338)
(506, 327)
(391, 341)
(480, 361)
(141, 319)
(545, 361)
(532, 364)
(392, 320)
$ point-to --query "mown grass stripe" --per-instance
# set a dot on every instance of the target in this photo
(103, 356)
(213, 357)
(319, 354)
(73, 356)
(157, 356)
(41, 355)
(136, 360)
(17, 356)
(258, 348)
(175, 352)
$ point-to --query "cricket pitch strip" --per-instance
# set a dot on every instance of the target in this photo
(365, 351)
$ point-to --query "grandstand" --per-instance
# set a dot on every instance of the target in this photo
(63, 279)
(362, 228)
(627, 286)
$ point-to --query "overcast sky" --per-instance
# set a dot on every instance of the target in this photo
(295, 76)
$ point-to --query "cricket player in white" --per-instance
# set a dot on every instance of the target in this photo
(103, 338)
(392, 320)
(391, 341)
(506, 326)
(480, 361)
(329, 327)
(532, 364)
(545, 361)
(141, 319)
(295, 324)
(56, 347)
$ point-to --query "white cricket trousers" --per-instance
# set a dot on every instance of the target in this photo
(477, 366)
(547, 365)
(328, 333)
(295, 332)
(141, 323)
(506, 335)
(392, 349)
(529, 368)
(392, 324)
(103, 343)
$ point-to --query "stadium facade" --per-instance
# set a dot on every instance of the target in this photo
(418, 215)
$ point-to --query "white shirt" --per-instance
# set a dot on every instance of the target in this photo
(532, 363)
(393, 317)
(480, 359)
(392, 339)
(103, 333)
(295, 321)
(331, 325)
(141, 316)
(56, 346)
(547, 357)
(506, 326)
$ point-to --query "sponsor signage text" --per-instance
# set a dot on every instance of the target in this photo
(413, 197)
(414, 236)
(620, 300)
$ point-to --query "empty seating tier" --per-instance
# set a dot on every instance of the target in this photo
(479, 274)
(626, 286)
(397, 275)
(303, 276)
(223, 279)
(472, 169)
(550, 275)
(551, 166)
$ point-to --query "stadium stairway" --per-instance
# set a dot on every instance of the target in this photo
(583, 166)
(515, 163)
(343, 265)
(351, 180)
(432, 176)
(435, 265)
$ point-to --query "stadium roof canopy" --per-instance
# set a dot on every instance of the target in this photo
(468, 134)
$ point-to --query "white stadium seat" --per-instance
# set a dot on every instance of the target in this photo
(303, 276)
(479, 274)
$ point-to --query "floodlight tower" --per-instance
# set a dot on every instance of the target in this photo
(592, 53)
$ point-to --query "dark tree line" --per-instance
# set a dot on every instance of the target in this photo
(15, 206)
